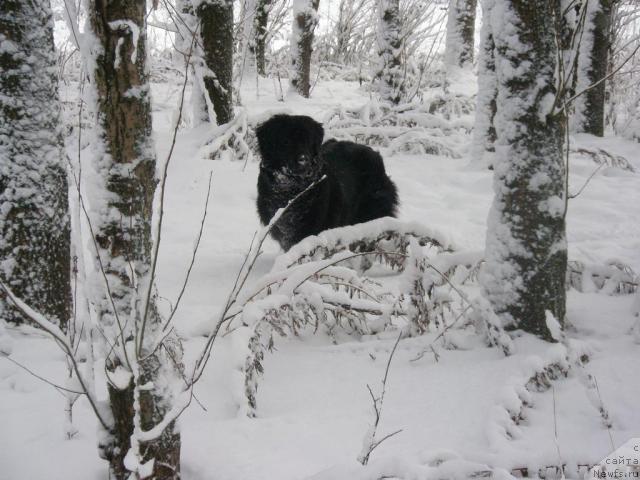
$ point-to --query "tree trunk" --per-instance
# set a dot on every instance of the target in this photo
(484, 131)
(191, 53)
(389, 75)
(460, 33)
(305, 19)
(260, 25)
(121, 221)
(247, 45)
(593, 64)
(216, 34)
(34, 218)
(526, 252)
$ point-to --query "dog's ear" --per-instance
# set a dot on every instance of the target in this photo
(317, 134)
(265, 134)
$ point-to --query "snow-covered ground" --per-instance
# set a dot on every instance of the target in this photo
(313, 405)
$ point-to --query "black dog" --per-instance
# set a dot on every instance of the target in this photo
(356, 188)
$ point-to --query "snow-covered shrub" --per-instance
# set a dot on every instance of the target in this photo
(434, 127)
(232, 141)
(614, 278)
(604, 158)
(319, 286)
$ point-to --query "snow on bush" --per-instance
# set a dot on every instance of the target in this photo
(435, 126)
(319, 286)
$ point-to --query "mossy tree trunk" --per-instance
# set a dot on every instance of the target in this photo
(34, 217)
(216, 34)
(305, 20)
(461, 24)
(484, 131)
(122, 216)
(599, 31)
(260, 24)
(526, 252)
(389, 75)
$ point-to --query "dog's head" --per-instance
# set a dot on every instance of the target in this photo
(291, 144)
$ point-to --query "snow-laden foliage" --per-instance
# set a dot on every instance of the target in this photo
(512, 417)
(604, 158)
(432, 126)
(614, 278)
(318, 286)
(34, 221)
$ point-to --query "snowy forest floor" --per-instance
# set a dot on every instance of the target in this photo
(314, 407)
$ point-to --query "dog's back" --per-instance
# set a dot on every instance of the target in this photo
(359, 170)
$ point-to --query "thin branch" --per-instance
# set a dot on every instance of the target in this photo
(377, 407)
(240, 281)
(154, 262)
(54, 385)
(606, 77)
(102, 270)
(193, 256)
(373, 447)
(585, 183)
(60, 338)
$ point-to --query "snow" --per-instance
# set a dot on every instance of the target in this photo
(131, 28)
(313, 405)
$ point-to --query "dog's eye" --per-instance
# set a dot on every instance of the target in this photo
(303, 159)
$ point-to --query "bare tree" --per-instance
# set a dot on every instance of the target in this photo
(460, 33)
(389, 74)
(623, 97)
(121, 225)
(305, 20)
(34, 218)
(526, 250)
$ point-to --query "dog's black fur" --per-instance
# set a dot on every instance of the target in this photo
(356, 188)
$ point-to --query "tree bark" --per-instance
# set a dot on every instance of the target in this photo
(260, 24)
(526, 252)
(305, 19)
(216, 34)
(121, 220)
(595, 65)
(484, 131)
(389, 75)
(460, 33)
(34, 217)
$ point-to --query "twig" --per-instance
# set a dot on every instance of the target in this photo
(571, 196)
(363, 458)
(163, 183)
(243, 274)
(102, 271)
(604, 414)
(555, 431)
(606, 77)
(440, 335)
(54, 385)
(193, 256)
(60, 338)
